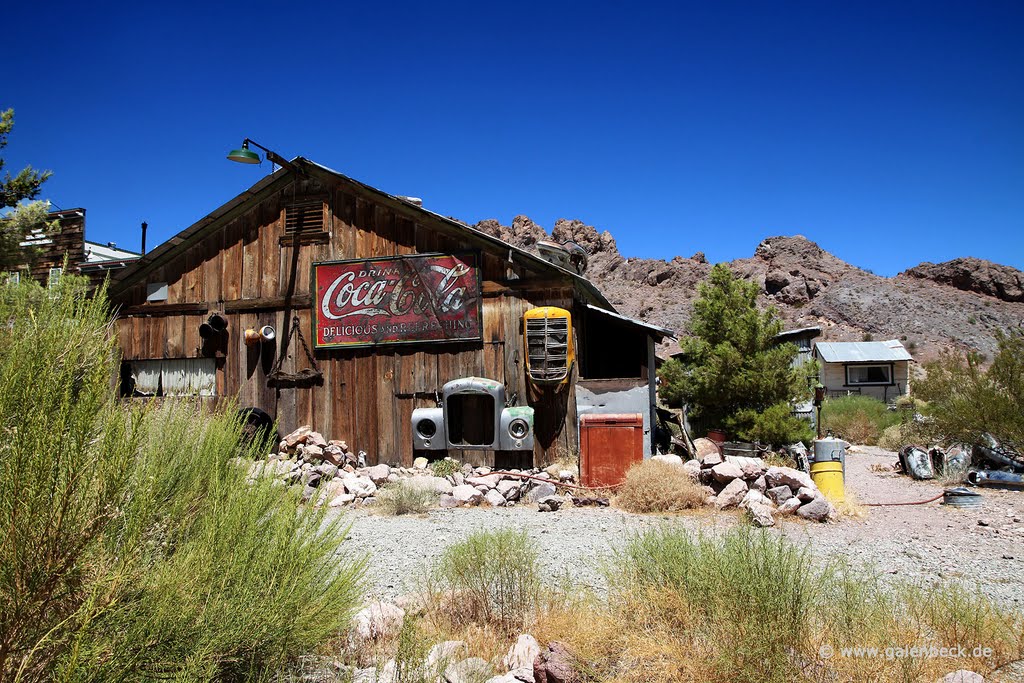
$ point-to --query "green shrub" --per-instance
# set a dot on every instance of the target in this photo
(445, 467)
(858, 419)
(965, 399)
(653, 486)
(491, 578)
(135, 548)
(776, 426)
(403, 498)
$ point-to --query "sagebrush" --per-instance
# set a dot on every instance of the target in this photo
(136, 546)
(490, 578)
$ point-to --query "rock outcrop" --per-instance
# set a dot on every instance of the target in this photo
(957, 304)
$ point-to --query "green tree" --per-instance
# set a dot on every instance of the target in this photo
(734, 374)
(15, 192)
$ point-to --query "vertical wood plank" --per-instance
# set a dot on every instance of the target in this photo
(386, 407)
(232, 263)
(252, 266)
(174, 336)
(342, 398)
(213, 267)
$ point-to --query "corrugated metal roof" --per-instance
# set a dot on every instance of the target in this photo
(862, 352)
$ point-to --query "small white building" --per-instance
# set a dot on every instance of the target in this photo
(879, 369)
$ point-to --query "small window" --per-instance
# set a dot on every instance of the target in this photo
(54, 278)
(13, 277)
(868, 374)
(179, 377)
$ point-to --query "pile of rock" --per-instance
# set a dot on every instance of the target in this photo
(751, 485)
(331, 474)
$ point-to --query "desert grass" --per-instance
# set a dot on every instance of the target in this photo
(743, 606)
(653, 486)
(859, 419)
(402, 498)
(753, 606)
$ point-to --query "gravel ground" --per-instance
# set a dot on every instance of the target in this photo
(931, 543)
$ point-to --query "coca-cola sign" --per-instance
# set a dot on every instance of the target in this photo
(397, 300)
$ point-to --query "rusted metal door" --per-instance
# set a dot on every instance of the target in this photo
(609, 446)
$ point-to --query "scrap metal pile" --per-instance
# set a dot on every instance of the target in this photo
(987, 463)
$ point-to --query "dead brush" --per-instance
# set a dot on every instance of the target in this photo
(653, 486)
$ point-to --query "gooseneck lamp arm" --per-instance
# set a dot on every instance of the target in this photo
(246, 156)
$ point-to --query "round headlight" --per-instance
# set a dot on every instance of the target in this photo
(426, 428)
(518, 428)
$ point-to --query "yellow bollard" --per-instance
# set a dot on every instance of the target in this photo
(828, 477)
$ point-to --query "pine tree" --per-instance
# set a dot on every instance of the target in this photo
(25, 217)
(734, 375)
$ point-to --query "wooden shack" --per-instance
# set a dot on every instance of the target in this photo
(254, 263)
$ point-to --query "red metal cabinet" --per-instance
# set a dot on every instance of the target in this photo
(609, 446)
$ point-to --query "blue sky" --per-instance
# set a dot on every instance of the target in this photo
(889, 132)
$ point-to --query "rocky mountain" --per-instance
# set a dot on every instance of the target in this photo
(958, 304)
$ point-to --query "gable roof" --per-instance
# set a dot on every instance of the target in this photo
(862, 352)
(270, 184)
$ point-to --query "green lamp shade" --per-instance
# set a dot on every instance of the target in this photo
(244, 156)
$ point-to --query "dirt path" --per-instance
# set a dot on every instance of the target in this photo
(931, 543)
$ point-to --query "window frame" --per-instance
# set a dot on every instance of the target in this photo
(890, 369)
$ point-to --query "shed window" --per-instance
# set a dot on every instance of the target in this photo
(869, 374)
(179, 377)
(54, 278)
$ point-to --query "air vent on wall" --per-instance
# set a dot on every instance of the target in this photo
(304, 220)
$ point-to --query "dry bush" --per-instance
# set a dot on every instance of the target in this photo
(894, 438)
(653, 486)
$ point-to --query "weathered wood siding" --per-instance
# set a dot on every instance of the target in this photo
(254, 275)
